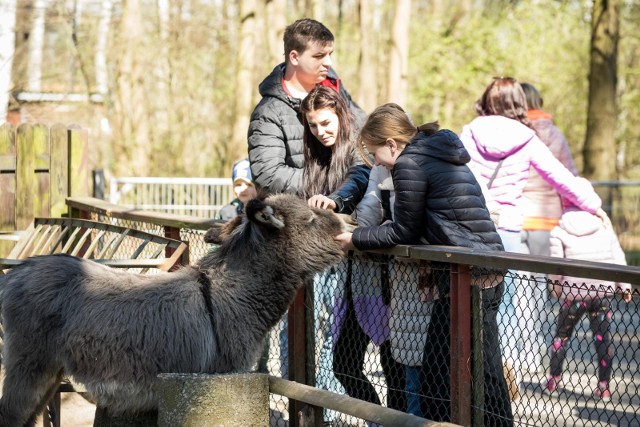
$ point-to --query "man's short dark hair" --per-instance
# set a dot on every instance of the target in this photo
(298, 35)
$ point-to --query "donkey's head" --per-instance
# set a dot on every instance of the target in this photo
(284, 229)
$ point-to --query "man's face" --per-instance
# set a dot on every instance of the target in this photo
(312, 65)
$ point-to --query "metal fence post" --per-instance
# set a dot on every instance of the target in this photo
(460, 344)
(302, 355)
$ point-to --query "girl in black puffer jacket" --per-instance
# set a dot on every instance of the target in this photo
(438, 202)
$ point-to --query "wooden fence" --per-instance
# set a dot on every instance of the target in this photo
(40, 166)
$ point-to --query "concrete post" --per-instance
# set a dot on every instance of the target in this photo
(203, 400)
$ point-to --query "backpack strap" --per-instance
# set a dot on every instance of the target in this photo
(495, 173)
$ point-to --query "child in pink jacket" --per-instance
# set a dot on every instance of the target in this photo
(582, 235)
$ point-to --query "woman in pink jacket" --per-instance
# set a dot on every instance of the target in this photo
(581, 235)
(503, 148)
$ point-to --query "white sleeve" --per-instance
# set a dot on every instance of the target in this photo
(369, 210)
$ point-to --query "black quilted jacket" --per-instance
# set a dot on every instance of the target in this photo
(438, 200)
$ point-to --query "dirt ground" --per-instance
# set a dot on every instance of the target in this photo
(76, 411)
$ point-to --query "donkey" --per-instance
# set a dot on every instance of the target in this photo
(114, 331)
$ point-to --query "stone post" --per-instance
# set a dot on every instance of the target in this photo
(203, 400)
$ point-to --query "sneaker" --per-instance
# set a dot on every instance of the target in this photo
(553, 384)
(602, 391)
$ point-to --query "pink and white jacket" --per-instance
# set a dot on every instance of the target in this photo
(488, 139)
(580, 235)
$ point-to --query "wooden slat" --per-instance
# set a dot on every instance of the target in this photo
(64, 231)
(31, 239)
(7, 162)
(40, 172)
(67, 247)
(53, 232)
(79, 174)
(7, 184)
(95, 240)
(26, 187)
(41, 238)
(77, 246)
(139, 249)
(107, 245)
(58, 170)
(117, 244)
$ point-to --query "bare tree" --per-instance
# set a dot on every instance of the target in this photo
(133, 146)
(101, 46)
(244, 85)
(275, 20)
(367, 96)
(399, 56)
(600, 143)
(7, 49)
(36, 44)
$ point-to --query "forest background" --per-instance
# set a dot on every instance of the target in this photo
(169, 84)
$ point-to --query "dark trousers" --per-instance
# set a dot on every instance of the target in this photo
(348, 361)
(571, 312)
(435, 373)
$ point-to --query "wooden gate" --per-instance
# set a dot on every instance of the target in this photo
(39, 167)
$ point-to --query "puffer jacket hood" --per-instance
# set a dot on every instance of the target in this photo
(272, 86)
(443, 145)
(581, 235)
(503, 151)
(580, 223)
(498, 137)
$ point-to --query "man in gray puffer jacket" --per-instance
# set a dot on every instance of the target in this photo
(275, 131)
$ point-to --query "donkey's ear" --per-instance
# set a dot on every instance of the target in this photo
(259, 211)
(219, 232)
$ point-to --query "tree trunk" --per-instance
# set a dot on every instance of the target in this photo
(367, 93)
(36, 44)
(7, 49)
(101, 47)
(134, 146)
(275, 24)
(399, 56)
(600, 143)
(244, 84)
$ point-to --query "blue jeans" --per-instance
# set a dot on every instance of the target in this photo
(412, 390)
(284, 346)
(516, 310)
(324, 293)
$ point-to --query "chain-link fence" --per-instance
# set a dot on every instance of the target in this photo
(536, 358)
(449, 333)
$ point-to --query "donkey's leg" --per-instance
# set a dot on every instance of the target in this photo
(44, 401)
(28, 382)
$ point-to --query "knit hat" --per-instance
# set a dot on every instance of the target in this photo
(242, 171)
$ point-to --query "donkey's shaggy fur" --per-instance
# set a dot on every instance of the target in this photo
(114, 331)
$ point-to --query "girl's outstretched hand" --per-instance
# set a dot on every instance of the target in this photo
(626, 296)
(322, 202)
(345, 241)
